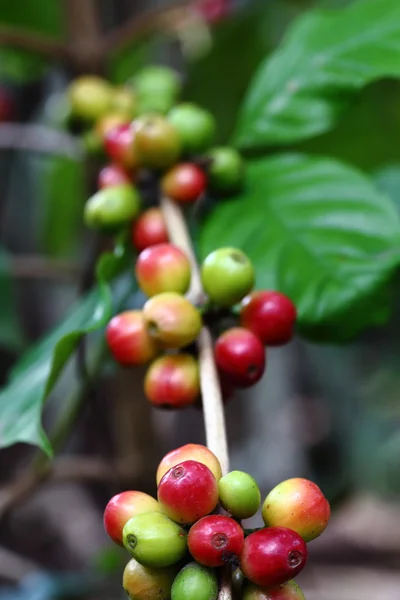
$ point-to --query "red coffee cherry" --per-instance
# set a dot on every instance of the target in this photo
(123, 507)
(188, 492)
(297, 504)
(119, 144)
(195, 452)
(270, 315)
(129, 340)
(185, 183)
(173, 381)
(149, 229)
(214, 540)
(240, 355)
(163, 268)
(272, 556)
(112, 175)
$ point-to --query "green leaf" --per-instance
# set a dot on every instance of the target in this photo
(387, 179)
(318, 231)
(35, 375)
(11, 335)
(62, 192)
(301, 90)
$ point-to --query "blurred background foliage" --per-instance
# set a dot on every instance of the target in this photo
(329, 412)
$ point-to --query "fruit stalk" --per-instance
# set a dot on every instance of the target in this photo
(213, 408)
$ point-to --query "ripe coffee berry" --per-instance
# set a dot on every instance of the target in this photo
(195, 126)
(185, 183)
(286, 591)
(188, 492)
(226, 170)
(112, 207)
(173, 381)
(272, 556)
(195, 582)
(227, 275)
(239, 494)
(154, 540)
(149, 229)
(163, 268)
(112, 175)
(298, 504)
(195, 452)
(270, 315)
(119, 143)
(146, 583)
(172, 320)
(123, 507)
(128, 339)
(241, 355)
(157, 143)
(214, 540)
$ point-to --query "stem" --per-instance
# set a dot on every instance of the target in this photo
(213, 408)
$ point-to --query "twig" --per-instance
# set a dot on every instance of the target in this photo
(84, 35)
(213, 407)
(39, 138)
(41, 267)
(33, 42)
(159, 18)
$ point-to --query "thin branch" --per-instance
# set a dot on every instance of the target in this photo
(160, 18)
(39, 138)
(33, 42)
(41, 267)
(84, 36)
(213, 407)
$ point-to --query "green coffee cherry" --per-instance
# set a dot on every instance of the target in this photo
(112, 207)
(287, 591)
(195, 582)
(157, 143)
(227, 275)
(92, 142)
(226, 171)
(145, 583)
(154, 103)
(90, 97)
(157, 81)
(239, 494)
(154, 540)
(195, 125)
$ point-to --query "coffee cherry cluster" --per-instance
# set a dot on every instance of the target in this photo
(153, 142)
(194, 527)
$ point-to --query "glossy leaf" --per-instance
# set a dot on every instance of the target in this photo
(387, 179)
(35, 375)
(318, 231)
(303, 87)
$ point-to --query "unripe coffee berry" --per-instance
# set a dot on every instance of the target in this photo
(286, 591)
(226, 170)
(173, 381)
(172, 320)
(119, 143)
(227, 275)
(298, 504)
(149, 229)
(188, 492)
(272, 556)
(157, 143)
(196, 126)
(163, 268)
(123, 507)
(241, 355)
(157, 86)
(270, 315)
(146, 583)
(112, 175)
(196, 452)
(90, 97)
(154, 540)
(239, 494)
(129, 340)
(195, 582)
(184, 183)
(124, 101)
(215, 539)
(111, 208)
